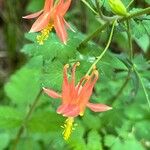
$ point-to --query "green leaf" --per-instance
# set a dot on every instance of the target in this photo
(91, 121)
(10, 117)
(94, 141)
(35, 5)
(53, 48)
(52, 75)
(25, 143)
(129, 143)
(109, 140)
(76, 141)
(139, 112)
(24, 85)
(4, 140)
(44, 122)
(142, 129)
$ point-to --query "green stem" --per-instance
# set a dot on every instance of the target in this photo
(135, 14)
(130, 39)
(130, 4)
(88, 5)
(104, 51)
(144, 89)
(120, 19)
(101, 15)
(22, 128)
(115, 97)
(91, 36)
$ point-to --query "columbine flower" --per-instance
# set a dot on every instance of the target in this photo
(51, 16)
(76, 98)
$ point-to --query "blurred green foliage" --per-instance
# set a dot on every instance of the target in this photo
(126, 126)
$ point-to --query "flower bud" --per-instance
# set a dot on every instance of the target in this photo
(118, 7)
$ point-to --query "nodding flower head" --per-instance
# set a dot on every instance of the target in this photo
(52, 15)
(75, 98)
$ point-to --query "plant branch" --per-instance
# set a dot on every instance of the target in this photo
(88, 5)
(91, 36)
(143, 86)
(112, 100)
(104, 51)
(130, 4)
(22, 128)
(119, 19)
(101, 15)
(135, 14)
(130, 39)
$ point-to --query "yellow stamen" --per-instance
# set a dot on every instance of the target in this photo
(68, 128)
(44, 34)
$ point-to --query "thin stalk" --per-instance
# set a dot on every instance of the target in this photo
(135, 14)
(130, 4)
(22, 128)
(121, 19)
(104, 51)
(143, 86)
(130, 39)
(101, 15)
(115, 97)
(91, 36)
(88, 5)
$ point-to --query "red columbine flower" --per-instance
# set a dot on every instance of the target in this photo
(76, 98)
(51, 16)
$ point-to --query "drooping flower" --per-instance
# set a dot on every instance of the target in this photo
(52, 15)
(75, 98)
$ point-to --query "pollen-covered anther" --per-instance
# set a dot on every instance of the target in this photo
(44, 34)
(68, 128)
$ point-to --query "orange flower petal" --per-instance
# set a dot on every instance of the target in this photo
(64, 7)
(65, 86)
(98, 107)
(71, 111)
(60, 28)
(34, 15)
(73, 92)
(51, 93)
(87, 90)
(41, 22)
(61, 108)
(48, 5)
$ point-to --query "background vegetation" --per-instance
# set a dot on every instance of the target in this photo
(28, 119)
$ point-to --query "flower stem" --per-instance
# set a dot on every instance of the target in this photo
(130, 4)
(115, 97)
(101, 15)
(120, 19)
(104, 51)
(91, 36)
(22, 128)
(143, 86)
(130, 39)
(135, 14)
(88, 5)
